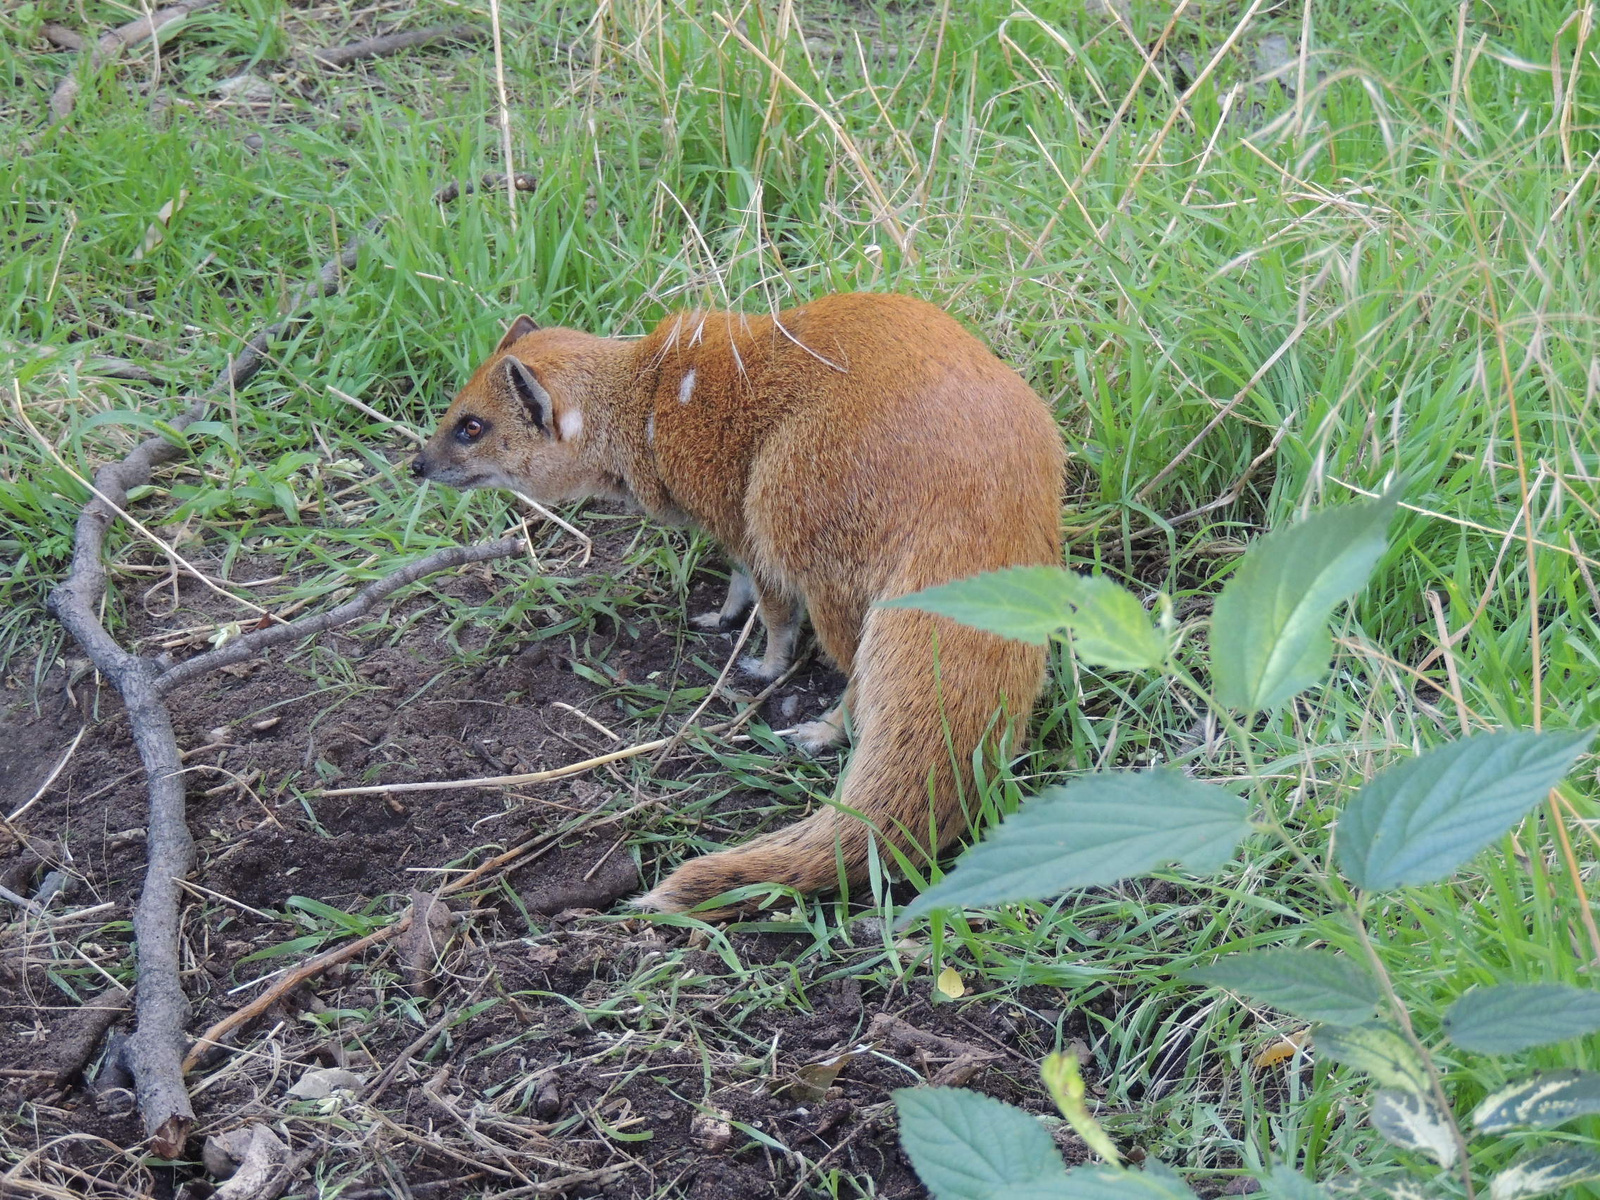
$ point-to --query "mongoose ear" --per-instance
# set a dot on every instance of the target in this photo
(531, 392)
(520, 328)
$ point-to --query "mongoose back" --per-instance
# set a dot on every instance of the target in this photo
(844, 452)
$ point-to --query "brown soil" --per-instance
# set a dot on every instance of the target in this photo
(569, 1039)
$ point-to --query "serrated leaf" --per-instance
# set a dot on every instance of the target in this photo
(966, 1146)
(1379, 1051)
(1414, 1121)
(1026, 603)
(1110, 628)
(1545, 1171)
(1544, 1101)
(1419, 820)
(1515, 1016)
(1315, 984)
(1094, 831)
(1269, 630)
(1155, 1181)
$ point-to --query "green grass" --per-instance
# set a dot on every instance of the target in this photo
(1392, 269)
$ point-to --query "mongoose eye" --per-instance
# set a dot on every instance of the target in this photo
(471, 429)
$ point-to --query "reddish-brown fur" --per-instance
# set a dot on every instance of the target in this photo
(847, 451)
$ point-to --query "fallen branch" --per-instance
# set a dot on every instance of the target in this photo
(61, 37)
(73, 1040)
(22, 903)
(154, 1051)
(393, 43)
(286, 984)
(453, 190)
(902, 1035)
(162, 1009)
(146, 27)
(363, 602)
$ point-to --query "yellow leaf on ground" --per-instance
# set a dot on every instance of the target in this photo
(1283, 1049)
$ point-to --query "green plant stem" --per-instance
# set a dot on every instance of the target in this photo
(1271, 822)
(1403, 1017)
(1342, 899)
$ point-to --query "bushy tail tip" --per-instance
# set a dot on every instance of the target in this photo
(807, 856)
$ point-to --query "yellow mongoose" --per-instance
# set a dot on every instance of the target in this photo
(851, 450)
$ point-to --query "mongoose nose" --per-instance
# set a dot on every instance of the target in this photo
(419, 467)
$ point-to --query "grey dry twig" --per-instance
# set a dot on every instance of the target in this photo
(154, 1054)
(65, 97)
(393, 43)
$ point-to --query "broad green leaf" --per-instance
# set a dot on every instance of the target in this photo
(1414, 1121)
(1094, 831)
(1515, 1016)
(1026, 603)
(1110, 628)
(1155, 1181)
(1379, 1051)
(1269, 630)
(1548, 1099)
(1419, 820)
(1315, 984)
(966, 1146)
(1544, 1171)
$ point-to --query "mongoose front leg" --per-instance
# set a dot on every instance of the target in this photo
(741, 595)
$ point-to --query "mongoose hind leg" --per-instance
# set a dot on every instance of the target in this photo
(781, 616)
(741, 595)
(813, 737)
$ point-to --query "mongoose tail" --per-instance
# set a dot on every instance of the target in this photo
(916, 717)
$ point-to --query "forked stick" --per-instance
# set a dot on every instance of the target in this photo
(154, 1053)
(143, 29)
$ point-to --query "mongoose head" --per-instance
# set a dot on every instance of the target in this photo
(518, 422)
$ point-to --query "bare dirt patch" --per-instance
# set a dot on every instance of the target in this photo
(566, 1040)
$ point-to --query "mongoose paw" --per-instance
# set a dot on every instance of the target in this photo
(759, 670)
(708, 620)
(814, 737)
